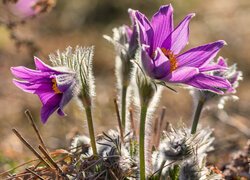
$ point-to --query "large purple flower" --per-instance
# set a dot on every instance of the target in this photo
(54, 86)
(161, 46)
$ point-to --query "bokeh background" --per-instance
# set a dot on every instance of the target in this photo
(83, 23)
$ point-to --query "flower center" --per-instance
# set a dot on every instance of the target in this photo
(171, 57)
(55, 87)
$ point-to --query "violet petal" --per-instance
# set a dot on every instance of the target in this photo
(49, 107)
(162, 23)
(212, 67)
(178, 39)
(222, 62)
(31, 87)
(146, 30)
(181, 75)
(210, 83)
(200, 56)
(147, 62)
(161, 64)
(30, 75)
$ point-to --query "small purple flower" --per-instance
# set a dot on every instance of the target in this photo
(161, 46)
(55, 86)
(24, 8)
(30, 8)
(232, 75)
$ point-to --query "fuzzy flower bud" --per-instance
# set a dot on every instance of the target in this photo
(195, 169)
(125, 41)
(114, 152)
(178, 145)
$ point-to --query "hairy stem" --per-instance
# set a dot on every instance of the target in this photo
(144, 108)
(123, 105)
(91, 129)
(197, 115)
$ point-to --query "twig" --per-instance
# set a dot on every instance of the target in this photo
(113, 174)
(20, 165)
(30, 147)
(15, 177)
(159, 128)
(45, 153)
(96, 162)
(166, 126)
(119, 119)
(99, 175)
(34, 173)
(29, 116)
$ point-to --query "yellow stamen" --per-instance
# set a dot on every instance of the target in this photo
(171, 57)
(55, 87)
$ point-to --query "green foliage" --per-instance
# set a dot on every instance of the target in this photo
(174, 172)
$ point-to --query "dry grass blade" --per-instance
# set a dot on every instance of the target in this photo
(156, 132)
(132, 122)
(119, 119)
(30, 147)
(29, 116)
(34, 173)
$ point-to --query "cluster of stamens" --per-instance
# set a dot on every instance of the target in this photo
(55, 87)
(171, 57)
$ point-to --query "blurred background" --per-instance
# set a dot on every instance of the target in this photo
(79, 22)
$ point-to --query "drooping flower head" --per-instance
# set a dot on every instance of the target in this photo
(161, 45)
(55, 86)
(231, 74)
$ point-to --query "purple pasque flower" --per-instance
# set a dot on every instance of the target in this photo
(55, 86)
(161, 45)
(231, 74)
